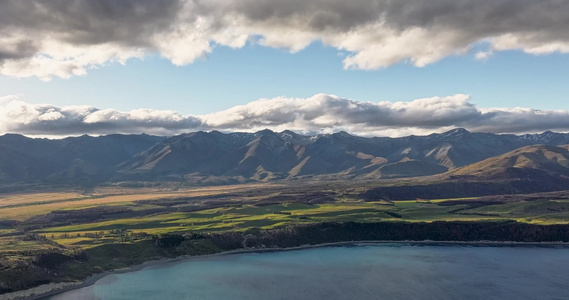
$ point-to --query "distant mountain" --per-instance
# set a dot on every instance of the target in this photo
(261, 156)
(74, 159)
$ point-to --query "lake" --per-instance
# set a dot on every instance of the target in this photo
(367, 271)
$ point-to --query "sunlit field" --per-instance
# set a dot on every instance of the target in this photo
(127, 215)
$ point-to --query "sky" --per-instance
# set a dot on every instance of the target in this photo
(368, 67)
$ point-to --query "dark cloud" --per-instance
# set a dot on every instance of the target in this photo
(63, 38)
(17, 50)
(521, 120)
(91, 22)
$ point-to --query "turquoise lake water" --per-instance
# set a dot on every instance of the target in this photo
(376, 271)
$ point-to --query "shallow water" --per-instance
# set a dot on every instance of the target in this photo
(378, 271)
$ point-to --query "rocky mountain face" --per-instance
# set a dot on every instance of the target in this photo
(260, 156)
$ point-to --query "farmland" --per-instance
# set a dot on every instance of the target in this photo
(73, 219)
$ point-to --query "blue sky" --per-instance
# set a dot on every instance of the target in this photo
(229, 77)
(369, 67)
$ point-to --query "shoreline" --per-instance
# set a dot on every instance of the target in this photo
(52, 289)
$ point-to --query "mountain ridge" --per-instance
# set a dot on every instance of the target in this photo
(259, 156)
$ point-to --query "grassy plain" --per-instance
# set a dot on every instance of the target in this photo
(72, 219)
(37, 198)
(21, 206)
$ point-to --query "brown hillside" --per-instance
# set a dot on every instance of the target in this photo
(527, 161)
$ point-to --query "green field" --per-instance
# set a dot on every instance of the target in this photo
(249, 216)
(71, 219)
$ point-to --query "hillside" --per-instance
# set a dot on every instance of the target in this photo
(529, 169)
(530, 162)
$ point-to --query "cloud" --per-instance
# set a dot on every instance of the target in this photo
(17, 116)
(483, 55)
(46, 38)
(328, 113)
(320, 113)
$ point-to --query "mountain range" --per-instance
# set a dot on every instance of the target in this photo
(215, 157)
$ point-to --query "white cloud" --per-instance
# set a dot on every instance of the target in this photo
(483, 55)
(320, 113)
(55, 38)
(17, 116)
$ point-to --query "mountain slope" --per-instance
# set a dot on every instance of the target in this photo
(266, 155)
(536, 161)
(529, 169)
